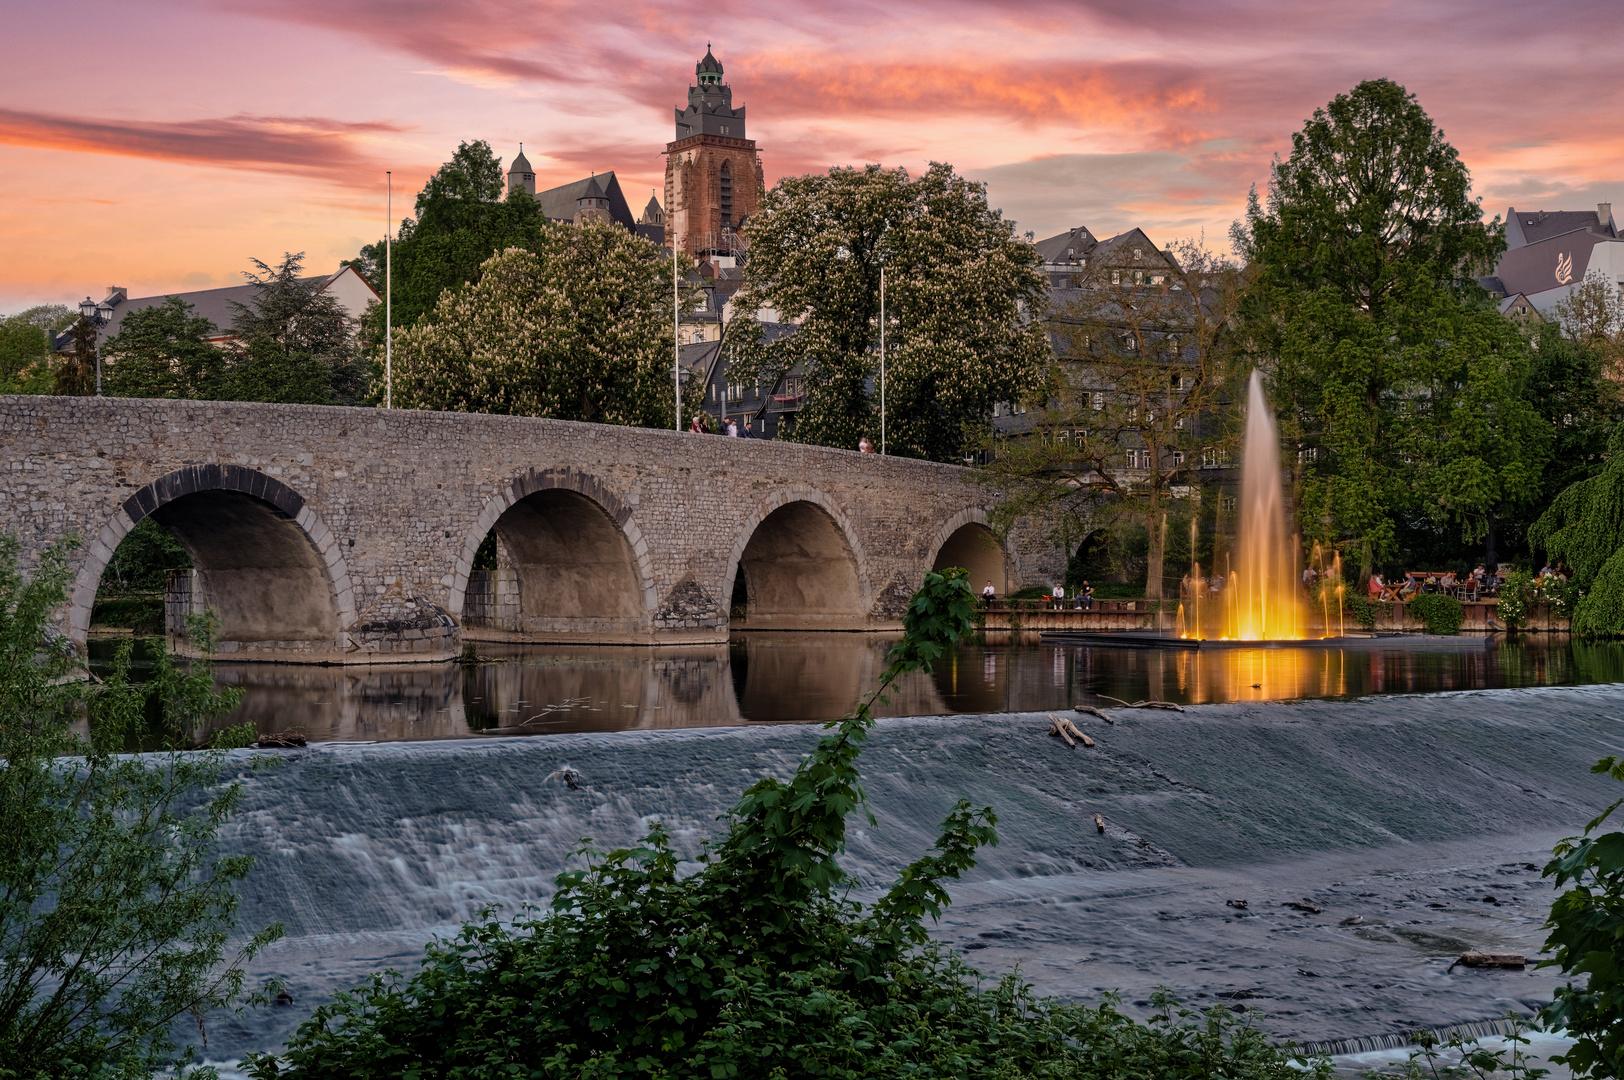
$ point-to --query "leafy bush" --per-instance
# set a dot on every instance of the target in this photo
(142, 614)
(1516, 598)
(758, 965)
(1031, 592)
(1587, 938)
(1439, 614)
(1360, 610)
(114, 911)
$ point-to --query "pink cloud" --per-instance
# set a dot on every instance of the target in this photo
(331, 149)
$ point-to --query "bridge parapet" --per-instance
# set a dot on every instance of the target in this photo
(350, 535)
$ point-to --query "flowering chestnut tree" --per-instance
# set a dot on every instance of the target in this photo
(577, 327)
(960, 292)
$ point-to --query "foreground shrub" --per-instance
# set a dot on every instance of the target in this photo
(1360, 610)
(758, 965)
(1439, 614)
(116, 913)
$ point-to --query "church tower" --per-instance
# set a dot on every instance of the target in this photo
(521, 175)
(713, 177)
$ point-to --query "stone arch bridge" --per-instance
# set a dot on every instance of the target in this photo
(343, 535)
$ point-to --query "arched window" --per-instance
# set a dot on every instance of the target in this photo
(727, 195)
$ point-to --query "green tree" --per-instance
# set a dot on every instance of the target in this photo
(1592, 315)
(1135, 403)
(1586, 931)
(1395, 376)
(960, 294)
(75, 374)
(294, 342)
(1584, 527)
(462, 220)
(115, 912)
(163, 351)
(577, 328)
(760, 964)
(25, 352)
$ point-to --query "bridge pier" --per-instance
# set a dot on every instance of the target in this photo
(342, 535)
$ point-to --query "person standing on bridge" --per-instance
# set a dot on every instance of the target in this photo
(732, 428)
(864, 446)
(748, 432)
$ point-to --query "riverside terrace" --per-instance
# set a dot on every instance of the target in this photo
(345, 535)
(1478, 616)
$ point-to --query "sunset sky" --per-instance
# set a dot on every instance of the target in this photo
(160, 145)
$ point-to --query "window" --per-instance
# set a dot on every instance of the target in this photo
(1178, 457)
(1099, 400)
(1308, 454)
(1227, 504)
(1116, 277)
(1157, 279)
(1178, 425)
(1062, 436)
(1138, 277)
(1139, 253)
(1214, 458)
(727, 194)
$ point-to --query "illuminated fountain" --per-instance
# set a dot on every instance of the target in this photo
(1261, 598)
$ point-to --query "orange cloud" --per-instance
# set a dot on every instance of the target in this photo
(332, 149)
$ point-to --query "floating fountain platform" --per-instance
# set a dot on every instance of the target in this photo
(1151, 639)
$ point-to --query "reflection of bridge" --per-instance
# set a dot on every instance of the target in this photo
(350, 535)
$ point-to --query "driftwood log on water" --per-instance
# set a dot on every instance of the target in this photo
(1099, 824)
(1059, 725)
(1307, 909)
(1491, 960)
(1092, 711)
(1143, 704)
(280, 740)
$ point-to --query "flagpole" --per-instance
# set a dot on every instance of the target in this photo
(389, 293)
(676, 340)
(882, 358)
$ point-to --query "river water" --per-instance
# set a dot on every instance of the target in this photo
(807, 677)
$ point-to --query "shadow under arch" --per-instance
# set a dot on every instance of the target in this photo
(264, 561)
(801, 566)
(571, 565)
(967, 540)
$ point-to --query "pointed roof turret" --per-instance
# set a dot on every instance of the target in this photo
(520, 163)
(709, 69)
(653, 213)
(593, 191)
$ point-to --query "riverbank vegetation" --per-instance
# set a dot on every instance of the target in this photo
(116, 917)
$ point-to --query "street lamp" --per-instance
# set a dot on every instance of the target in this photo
(96, 315)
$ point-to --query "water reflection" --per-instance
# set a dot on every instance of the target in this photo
(769, 677)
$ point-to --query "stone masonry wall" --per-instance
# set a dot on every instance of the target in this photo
(394, 504)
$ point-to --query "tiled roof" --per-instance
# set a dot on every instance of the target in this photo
(560, 203)
(1068, 246)
(1537, 225)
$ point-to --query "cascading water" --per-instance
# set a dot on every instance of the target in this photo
(1264, 601)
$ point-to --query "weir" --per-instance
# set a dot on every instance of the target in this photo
(366, 851)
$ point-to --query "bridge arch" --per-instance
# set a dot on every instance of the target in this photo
(265, 561)
(572, 564)
(802, 565)
(967, 540)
